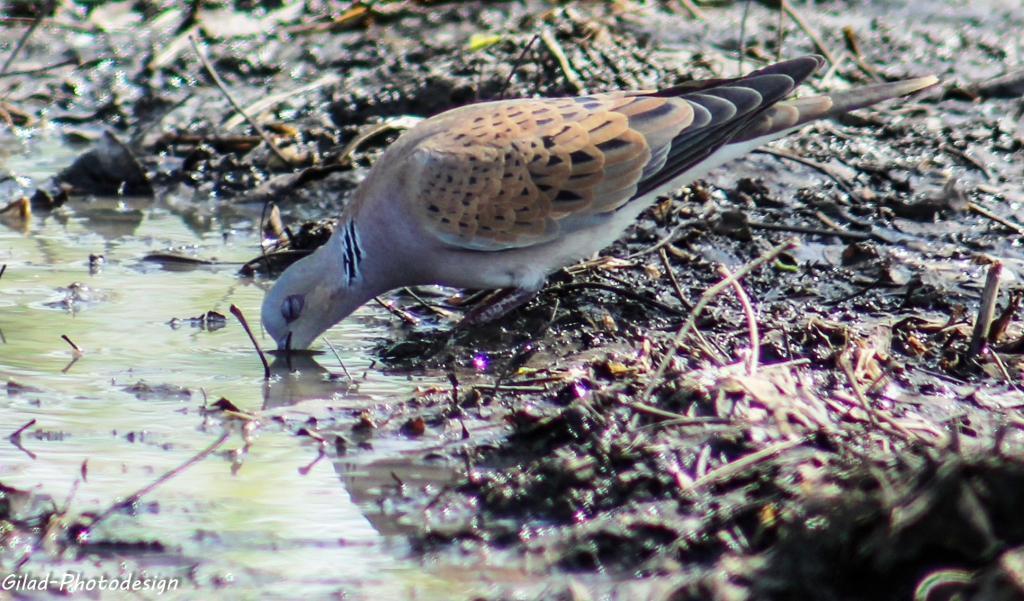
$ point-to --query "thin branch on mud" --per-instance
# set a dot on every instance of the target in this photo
(357, 12)
(56, 23)
(989, 296)
(563, 61)
(713, 352)
(799, 20)
(828, 221)
(1001, 366)
(245, 325)
(825, 169)
(854, 50)
(669, 237)
(492, 389)
(3, 268)
(732, 469)
(227, 93)
(45, 10)
(844, 363)
(17, 433)
(515, 65)
(672, 278)
(676, 419)
(64, 63)
(968, 159)
(1000, 220)
(367, 133)
(886, 370)
(621, 292)
(748, 309)
(826, 79)
(814, 231)
(269, 101)
(691, 8)
(743, 39)
(427, 305)
(392, 309)
(880, 419)
(705, 299)
(149, 487)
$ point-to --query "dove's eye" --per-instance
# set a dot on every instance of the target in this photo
(291, 307)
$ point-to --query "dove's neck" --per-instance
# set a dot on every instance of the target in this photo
(366, 257)
(349, 255)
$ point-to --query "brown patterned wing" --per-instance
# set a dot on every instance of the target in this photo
(517, 173)
(508, 174)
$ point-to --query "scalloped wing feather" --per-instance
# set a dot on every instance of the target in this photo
(503, 175)
(517, 173)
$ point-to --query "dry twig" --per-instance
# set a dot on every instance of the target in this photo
(814, 231)
(245, 325)
(844, 363)
(227, 93)
(705, 298)
(45, 10)
(338, 357)
(825, 169)
(858, 59)
(730, 470)
(77, 349)
(399, 313)
(669, 237)
(672, 277)
(748, 309)
(799, 20)
(1000, 220)
(987, 309)
(134, 498)
(969, 159)
(269, 101)
(563, 61)
(691, 8)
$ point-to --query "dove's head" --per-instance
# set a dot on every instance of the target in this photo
(308, 298)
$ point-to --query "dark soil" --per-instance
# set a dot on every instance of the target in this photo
(863, 453)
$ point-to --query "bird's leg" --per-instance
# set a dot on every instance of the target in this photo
(496, 305)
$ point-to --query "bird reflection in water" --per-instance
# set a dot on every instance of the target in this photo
(297, 376)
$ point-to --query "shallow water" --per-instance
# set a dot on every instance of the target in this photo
(255, 522)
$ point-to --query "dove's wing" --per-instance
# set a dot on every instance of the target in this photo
(516, 173)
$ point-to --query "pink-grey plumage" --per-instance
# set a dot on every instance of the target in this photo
(500, 194)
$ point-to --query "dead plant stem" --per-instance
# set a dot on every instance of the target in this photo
(245, 325)
(748, 309)
(705, 299)
(238, 107)
(989, 296)
(43, 11)
(563, 61)
(149, 487)
(732, 469)
(799, 20)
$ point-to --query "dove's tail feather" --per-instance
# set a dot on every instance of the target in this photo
(725, 132)
(790, 114)
(773, 122)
